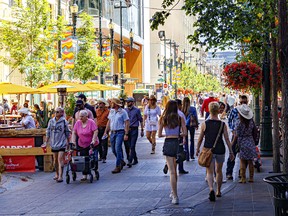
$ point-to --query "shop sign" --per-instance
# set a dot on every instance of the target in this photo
(18, 163)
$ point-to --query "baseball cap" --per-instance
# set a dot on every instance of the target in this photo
(81, 96)
(130, 99)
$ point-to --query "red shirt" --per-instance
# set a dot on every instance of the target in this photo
(206, 103)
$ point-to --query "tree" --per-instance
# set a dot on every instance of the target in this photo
(27, 38)
(283, 52)
(191, 78)
(88, 63)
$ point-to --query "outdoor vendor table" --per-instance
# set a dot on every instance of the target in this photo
(8, 117)
(18, 139)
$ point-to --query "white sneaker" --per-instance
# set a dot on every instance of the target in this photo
(175, 200)
(171, 195)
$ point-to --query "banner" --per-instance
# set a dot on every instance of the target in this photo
(18, 163)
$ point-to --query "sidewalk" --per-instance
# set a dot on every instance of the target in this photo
(140, 190)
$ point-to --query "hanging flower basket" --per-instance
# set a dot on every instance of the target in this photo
(243, 76)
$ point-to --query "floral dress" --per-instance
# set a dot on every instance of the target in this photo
(245, 141)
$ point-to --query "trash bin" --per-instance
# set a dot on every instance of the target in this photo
(280, 185)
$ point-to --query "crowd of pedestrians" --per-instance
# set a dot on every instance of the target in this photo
(120, 122)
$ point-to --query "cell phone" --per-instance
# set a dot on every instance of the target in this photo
(104, 137)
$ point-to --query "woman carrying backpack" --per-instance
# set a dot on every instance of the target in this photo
(191, 124)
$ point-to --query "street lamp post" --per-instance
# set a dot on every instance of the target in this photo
(100, 46)
(266, 129)
(74, 12)
(131, 35)
(59, 42)
(162, 36)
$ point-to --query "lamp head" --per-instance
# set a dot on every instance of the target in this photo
(74, 8)
(161, 34)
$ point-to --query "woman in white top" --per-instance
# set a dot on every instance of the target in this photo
(151, 113)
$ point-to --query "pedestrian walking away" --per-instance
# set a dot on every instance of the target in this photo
(102, 113)
(136, 119)
(212, 129)
(118, 125)
(87, 133)
(151, 113)
(233, 121)
(245, 141)
(206, 103)
(174, 127)
(57, 135)
(192, 124)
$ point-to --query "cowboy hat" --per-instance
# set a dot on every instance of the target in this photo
(211, 94)
(24, 111)
(245, 111)
(102, 100)
(116, 101)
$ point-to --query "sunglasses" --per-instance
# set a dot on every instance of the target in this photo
(58, 111)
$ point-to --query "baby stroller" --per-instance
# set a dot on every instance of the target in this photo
(81, 163)
(257, 160)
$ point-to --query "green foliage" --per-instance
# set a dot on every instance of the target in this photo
(70, 104)
(27, 38)
(191, 78)
(88, 63)
(223, 24)
(45, 118)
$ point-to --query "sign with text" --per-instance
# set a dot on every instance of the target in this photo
(18, 163)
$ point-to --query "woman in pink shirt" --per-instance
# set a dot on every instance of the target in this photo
(87, 132)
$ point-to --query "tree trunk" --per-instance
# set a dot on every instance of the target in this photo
(275, 119)
(283, 57)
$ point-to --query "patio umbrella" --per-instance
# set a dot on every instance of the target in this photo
(9, 88)
(69, 85)
(100, 87)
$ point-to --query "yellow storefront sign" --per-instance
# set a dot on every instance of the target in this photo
(124, 65)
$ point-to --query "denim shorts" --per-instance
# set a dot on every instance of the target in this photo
(170, 147)
(220, 158)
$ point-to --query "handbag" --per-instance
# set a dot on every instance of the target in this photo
(206, 154)
(193, 121)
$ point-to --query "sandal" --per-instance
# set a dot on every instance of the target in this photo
(55, 178)
(212, 196)
(219, 194)
(83, 179)
(59, 180)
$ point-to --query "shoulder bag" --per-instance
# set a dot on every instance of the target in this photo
(181, 154)
(206, 154)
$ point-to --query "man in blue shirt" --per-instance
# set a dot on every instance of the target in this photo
(118, 124)
(135, 119)
(233, 121)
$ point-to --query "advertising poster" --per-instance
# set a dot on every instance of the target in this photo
(18, 163)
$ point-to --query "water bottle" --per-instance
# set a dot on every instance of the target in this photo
(104, 137)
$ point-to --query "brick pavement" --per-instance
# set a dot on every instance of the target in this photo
(140, 190)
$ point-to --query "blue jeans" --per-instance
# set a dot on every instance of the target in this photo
(231, 164)
(132, 139)
(116, 139)
(191, 130)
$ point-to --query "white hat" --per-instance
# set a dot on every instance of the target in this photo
(245, 111)
(102, 100)
(24, 111)
(211, 94)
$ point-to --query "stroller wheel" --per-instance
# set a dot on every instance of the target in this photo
(74, 176)
(97, 176)
(91, 178)
(67, 179)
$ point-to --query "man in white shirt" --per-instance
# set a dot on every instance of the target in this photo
(231, 100)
